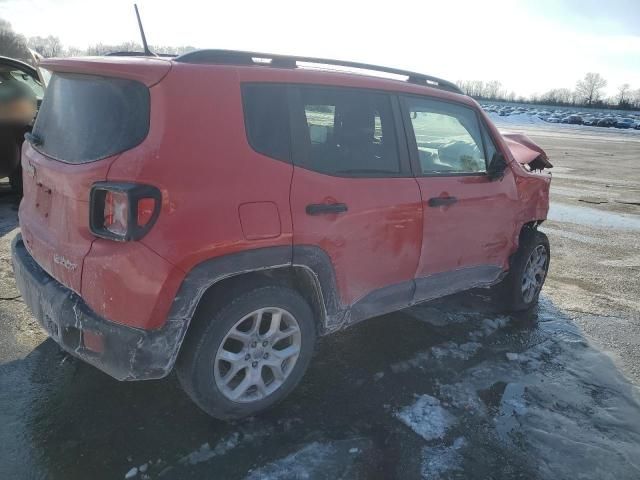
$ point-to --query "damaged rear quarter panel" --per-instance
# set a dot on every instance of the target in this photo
(130, 284)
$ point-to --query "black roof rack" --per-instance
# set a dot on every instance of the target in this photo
(136, 54)
(237, 57)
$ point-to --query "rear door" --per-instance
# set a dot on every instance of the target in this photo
(352, 191)
(84, 123)
(468, 223)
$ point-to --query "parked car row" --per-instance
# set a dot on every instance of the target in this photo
(596, 119)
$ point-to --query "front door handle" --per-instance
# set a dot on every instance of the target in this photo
(325, 208)
(442, 201)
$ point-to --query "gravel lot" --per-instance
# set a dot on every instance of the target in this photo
(449, 389)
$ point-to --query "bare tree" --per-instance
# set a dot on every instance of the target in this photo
(624, 92)
(492, 89)
(636, 98)
(11, 44)
(73, 52)
(46, 46)
(590, 88)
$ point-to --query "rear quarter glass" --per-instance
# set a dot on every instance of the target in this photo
(84, 118)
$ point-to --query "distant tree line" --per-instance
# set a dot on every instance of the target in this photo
(15, 45)
(587, 93)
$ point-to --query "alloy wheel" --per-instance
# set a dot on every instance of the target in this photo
(534, 273)
(257, 355)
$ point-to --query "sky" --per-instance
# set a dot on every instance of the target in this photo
(530, 46)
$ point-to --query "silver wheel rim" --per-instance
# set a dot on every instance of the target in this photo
(535, 272)
(257, 355)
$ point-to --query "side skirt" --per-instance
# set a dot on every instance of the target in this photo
(402, 295)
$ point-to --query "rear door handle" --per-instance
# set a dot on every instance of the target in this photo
(442, 201)
(325, 208)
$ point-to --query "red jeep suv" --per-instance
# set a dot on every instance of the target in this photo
(220, 210)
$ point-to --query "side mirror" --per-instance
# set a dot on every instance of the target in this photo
(497, 166)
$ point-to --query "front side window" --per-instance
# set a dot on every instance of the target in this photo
(349, 133)
(448, 137)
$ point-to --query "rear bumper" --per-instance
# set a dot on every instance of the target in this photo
(122, 352)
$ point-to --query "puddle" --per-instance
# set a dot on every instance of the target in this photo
(592, 217)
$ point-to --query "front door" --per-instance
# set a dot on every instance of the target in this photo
(353, 194)
(468, 222)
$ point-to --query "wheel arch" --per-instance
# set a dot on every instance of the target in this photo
(305, 269)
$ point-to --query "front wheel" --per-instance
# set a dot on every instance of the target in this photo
(249, 354)
(528, 271)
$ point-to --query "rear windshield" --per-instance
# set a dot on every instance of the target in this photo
(84, 118)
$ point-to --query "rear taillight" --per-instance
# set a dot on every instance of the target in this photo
(123, 211)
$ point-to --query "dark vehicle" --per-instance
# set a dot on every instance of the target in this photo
(21, 91)
(294, 203)
(573, 120)
(625, 123)
(606, 122)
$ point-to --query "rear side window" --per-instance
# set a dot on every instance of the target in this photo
(348, 132)
(266, 114)
(84, 118)
(448, 137)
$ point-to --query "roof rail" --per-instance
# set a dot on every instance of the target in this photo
(237, 57)
(136, 54)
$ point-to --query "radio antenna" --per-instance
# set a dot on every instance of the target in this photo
(144, 38)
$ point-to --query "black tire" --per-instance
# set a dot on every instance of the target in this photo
(195, 363)
(511, 294)
(15, 180)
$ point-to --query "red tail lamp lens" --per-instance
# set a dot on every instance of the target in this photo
(123, 211)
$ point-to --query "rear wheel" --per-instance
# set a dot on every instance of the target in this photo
(248, 354)
(521, 288)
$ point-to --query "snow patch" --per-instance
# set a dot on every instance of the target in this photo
(315, 460)
(131, 473)
(453, 350)
(419, 360)
(463, 396)
(205, 452)
(532, 358)
(437, 461)
(512, 406)
(426, 417)
(516, 119)
(489, 326)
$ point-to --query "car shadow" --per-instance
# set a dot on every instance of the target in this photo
(9, 203)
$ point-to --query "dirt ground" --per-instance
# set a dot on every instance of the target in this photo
(448, 389)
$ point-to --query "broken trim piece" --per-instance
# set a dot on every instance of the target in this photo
(526, 152)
